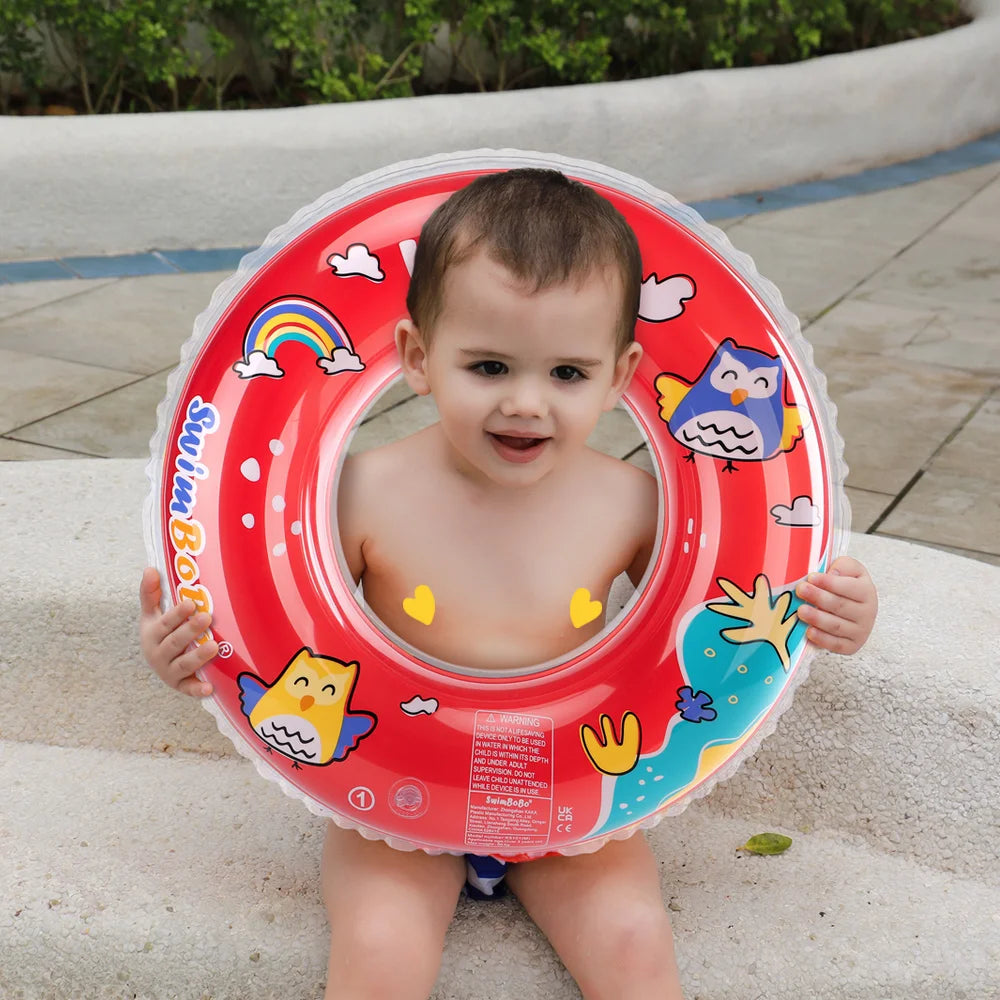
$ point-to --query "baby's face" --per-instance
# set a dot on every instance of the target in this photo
(521, 379)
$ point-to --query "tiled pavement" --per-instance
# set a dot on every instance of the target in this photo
(898, 290)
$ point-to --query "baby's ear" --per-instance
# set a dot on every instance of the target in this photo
(412, 356)
(625, 368)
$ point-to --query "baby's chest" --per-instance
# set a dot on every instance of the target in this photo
(528, 577)
(488, 597)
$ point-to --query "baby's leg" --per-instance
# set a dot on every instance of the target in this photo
(605, 917)
(388, 913)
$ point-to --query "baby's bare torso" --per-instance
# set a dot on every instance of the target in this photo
(503, 566)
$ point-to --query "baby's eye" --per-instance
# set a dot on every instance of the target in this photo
(567, 373)
(330, 688)
(301, 680)
(490, 369)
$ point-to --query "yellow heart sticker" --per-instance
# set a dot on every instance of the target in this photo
(421, 605)
(582, 609)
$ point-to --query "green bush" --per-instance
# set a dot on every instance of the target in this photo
(337, 50)
(114, 51)
(157, 54)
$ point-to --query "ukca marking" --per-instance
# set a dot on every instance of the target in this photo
(187, 536)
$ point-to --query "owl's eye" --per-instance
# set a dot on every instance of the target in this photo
(762, 381)
(331, 688)
(302, 680)
(729, 373)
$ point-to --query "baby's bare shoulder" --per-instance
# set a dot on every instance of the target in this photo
(622, 484)
(377, 475)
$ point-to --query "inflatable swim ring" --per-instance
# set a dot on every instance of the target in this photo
(294, 351)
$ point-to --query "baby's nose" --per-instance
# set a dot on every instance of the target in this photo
(524, 398)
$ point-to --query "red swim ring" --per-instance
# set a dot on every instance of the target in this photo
(293, 352)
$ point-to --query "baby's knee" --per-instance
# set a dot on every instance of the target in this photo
(638, 935)
(391, 956)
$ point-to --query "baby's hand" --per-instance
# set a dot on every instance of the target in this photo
(165, 638)
(840, 606)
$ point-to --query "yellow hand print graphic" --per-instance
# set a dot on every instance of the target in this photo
(765, 621)
(609, 754)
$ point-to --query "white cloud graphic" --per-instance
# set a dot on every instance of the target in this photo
(419, 706)
(663, 300)
(258, 363)
(408, 249)
(802, 514)
(341, 361)
(359, 261)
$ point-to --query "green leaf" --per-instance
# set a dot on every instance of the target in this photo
(767, 843)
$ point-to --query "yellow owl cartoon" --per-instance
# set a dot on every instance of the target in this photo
(304, 713)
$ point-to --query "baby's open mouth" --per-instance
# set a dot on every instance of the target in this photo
(519, 443)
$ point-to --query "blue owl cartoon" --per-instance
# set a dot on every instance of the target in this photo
(305, 713)
(734, 410)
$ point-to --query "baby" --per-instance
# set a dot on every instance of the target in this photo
(522, 304)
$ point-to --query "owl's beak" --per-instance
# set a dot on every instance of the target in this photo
(737, 396)
(307, 701)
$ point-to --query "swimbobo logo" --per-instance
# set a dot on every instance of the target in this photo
(187, 536)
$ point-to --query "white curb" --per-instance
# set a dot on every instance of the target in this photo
(139, 858)
(116, 184)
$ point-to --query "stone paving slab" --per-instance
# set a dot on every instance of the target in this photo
(131, 324)
(895, 414)
(978, 217)
(113, 425)
(946, 267)
(948, 509)
(893, 218)
(956, 501)
(19, 451)
(897, 324)
(33, 386)
(867, 507)
(812, 271)
(23, 297)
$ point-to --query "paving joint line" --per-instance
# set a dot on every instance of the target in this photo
(82, 402)
(899, 253)
(940, 546)
(75, 294)
(51, 447)
(925, 466)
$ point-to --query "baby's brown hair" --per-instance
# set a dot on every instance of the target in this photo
(541, 226)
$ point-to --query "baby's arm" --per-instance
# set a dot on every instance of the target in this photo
(350, 506)
(644, 520)
(840, 607)
(165, 638)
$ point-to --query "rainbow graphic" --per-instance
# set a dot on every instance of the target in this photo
(296, 319)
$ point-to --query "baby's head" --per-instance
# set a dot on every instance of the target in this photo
(542, 227)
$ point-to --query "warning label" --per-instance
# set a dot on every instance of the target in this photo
(510, 781)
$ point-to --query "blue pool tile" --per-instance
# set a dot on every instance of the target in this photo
(898, 174)
(123, 266)
(975, 154)
(810, 192)
(221, 259)
(725, 208)
(33, 270)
